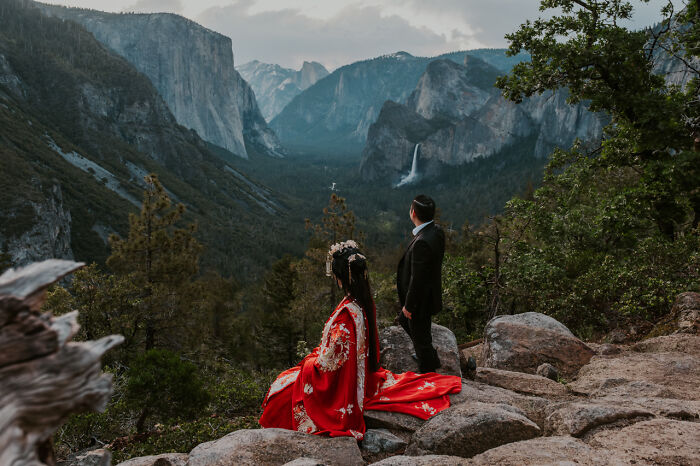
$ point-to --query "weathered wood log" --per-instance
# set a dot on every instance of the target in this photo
(44, 377)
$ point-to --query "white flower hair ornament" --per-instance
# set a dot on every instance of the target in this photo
(337, 248)
(352, 259)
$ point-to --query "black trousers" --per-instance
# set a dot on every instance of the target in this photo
(418, 328)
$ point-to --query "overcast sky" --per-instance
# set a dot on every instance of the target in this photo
(338, 32)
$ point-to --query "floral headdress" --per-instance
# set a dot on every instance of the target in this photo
(340, 248)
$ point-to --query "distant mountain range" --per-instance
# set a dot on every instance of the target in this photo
(335, 113)
(79, 129)
(276, 86)
(192, 68)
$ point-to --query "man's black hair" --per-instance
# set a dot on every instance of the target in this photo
(424, 207)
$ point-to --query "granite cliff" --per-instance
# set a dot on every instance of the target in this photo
(193, 69)
(457, 115)
(80, 127)
(276, 86)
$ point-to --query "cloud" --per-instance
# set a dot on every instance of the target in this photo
(288, 36)
(156, 6)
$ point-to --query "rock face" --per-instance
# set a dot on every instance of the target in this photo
(457, 115)
(274, 446)
(468, 429)
(522, 342)
(192, 68)
(275, 86)
(336, 112)
(397, 349)
(44, 377)
(50, 234)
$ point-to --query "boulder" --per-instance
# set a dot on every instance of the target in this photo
(548, 371)
(166, 459)
(427, 460)
(397, 349)
(687, 308)
(657, 441)
(520, 382)
(380, 441)
(678, 343)
(543, 451)
(468, 429)
(533, 407)
(522, 342)
(678, 373)
(274, 447)
(578, 418)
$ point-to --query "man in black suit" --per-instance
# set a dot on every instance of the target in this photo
(419, 281)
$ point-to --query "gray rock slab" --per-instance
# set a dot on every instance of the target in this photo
(520, 382)
(274, 447)
(560, 451)
(580, 417)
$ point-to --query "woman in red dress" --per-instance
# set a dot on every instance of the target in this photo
(327, 392)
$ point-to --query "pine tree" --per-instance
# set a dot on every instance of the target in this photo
(159, 256)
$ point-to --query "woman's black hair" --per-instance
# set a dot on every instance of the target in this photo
(350, 267)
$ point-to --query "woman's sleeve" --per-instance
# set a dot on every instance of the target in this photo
(335, 351)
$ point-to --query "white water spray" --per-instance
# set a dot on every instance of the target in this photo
(411, 177)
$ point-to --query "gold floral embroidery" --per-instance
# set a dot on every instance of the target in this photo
(357, 435)
(425, 385)
(282, 382)
(427, 408)
(302, 420)
(390, 380)
(345, 410)
(335, 347)
(308, 389)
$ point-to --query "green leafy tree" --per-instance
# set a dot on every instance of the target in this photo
(159, 257)
(612, 233)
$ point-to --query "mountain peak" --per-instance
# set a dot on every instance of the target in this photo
(401, 55)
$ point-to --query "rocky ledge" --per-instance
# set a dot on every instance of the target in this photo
(635, 404)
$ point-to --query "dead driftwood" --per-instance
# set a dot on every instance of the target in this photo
(44, 377)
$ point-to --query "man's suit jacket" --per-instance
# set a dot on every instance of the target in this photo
(419, 274)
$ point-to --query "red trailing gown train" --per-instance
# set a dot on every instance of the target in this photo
(327, 392)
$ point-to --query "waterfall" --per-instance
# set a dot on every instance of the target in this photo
(411, 177)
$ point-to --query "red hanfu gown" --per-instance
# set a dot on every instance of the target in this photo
(327, 392)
